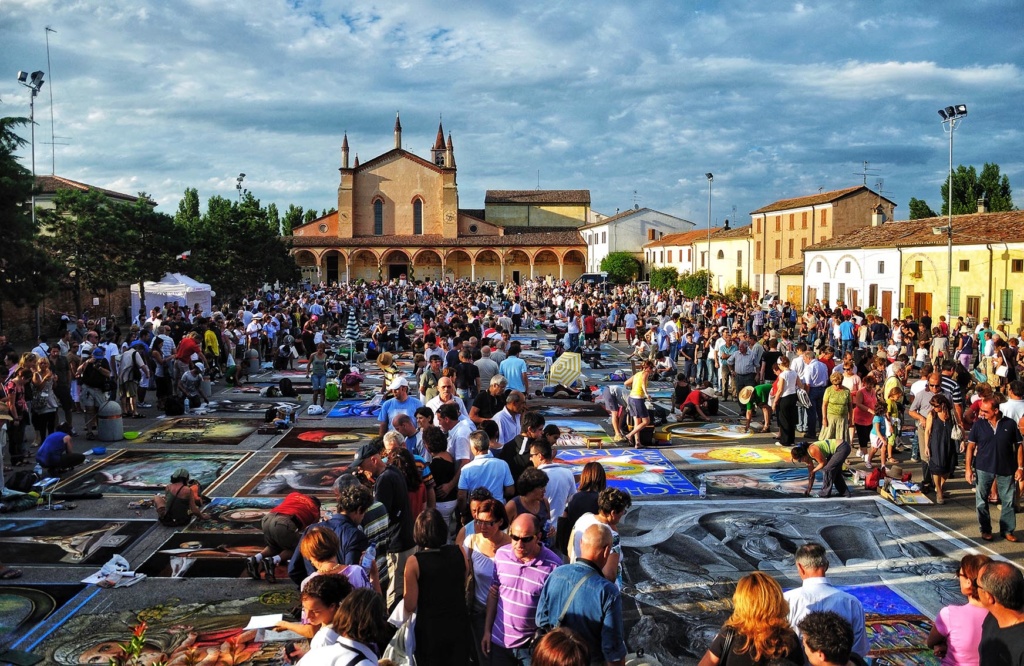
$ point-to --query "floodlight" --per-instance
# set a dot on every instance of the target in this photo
(942, 112)
(961, 109)
(23, 76)
(709, 176)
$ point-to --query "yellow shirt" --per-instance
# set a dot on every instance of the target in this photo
(211, 341)
(639, 386)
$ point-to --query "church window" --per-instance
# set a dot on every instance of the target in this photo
(378, 217)
(417, 217)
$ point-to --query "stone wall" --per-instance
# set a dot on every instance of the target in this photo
(19, 324)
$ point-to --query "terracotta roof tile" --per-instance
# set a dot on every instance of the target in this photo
(795, 269)
(537, 197)
(734, 232)
(974, 229)
(51, 184)
(812, 200)
(684, 238)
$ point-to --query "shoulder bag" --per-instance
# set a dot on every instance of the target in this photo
(730, 634)
(542, 631)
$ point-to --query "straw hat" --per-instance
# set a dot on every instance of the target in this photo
(385, 359)
(746, 393)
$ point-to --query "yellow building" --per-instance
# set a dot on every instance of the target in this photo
(398, 214)
(783, 229)
(731, 258)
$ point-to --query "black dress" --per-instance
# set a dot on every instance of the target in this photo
(442, 623)
(942, 449)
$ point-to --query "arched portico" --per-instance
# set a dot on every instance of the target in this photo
(363, 265)
(517, 266)
(546, 262)
(428, 265)
(487, 266)
(308, 266)
(458, 264)
(394, 264)
(574, 264)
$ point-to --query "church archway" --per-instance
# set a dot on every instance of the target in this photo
(488, 265)
(574, 264)
(364, 266)
(427, 265)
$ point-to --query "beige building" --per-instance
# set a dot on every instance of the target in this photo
(686, 252)
(398, 214)
(781, 230)
(731, 258)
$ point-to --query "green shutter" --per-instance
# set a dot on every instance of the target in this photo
(1005, 303)
(954, 301)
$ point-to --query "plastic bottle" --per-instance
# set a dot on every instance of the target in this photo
(369, 557)
(703, 492)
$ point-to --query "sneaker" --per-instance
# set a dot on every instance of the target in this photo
(914, 459)
(253, 567)
(146, 405)
(268, 570)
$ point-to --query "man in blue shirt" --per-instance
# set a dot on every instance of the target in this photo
(513, 369)
(484, 470)
(400, 404)
(594, 603)
(847, 334)
(994, 455)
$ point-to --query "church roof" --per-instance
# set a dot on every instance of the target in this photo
(535, 197)
(439, 141)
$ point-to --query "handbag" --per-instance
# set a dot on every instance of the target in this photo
(470, 584)
(957, 433)
(1003, 370)
(803, 398)
(730, 634)
(401, 650)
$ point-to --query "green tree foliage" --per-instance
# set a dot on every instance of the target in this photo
(968, 187)
(664, 278)
(328, 211)
(919, 209)
(292, 218)
(151, 243)
(187, 216)
(695, 284)
(310, 215)
(273, 218)
(28, 271)
(622, 267)
(235, 248)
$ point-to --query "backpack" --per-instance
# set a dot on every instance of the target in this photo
(286, 388)
(871, 483)
(22, 482)
(177, 512)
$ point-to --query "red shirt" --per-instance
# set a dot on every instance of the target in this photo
(186, 348)
(300, 506)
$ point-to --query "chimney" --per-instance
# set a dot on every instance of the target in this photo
(877, 216)
(983, 205)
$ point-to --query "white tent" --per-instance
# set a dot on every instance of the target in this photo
(174, 288)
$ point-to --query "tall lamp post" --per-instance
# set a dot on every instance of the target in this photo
(34, 82)
(711, 178)
(238, 185)
(951, 117)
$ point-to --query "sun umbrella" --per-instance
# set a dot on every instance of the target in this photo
(566, 369)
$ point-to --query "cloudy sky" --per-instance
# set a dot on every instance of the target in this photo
(776, 99)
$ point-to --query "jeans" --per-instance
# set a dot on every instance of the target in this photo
(1004, 487)
(689, 369)
(711, 372)
(817, 396)
(801, 417)
(848, 346)
(832, 473)
(501, 656)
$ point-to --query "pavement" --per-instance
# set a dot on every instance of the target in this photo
(97, 617)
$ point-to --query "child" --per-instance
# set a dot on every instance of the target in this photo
(681, 391)
(321, 594)
(893, 402)
(921, 355)
(882, 435)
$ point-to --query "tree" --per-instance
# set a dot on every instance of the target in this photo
(187, 216)
(695, 284)
(968, 188)
(274, 218)
(28, 272)
(664, 278)
(919, 209)
(90, 239)
(152, 244)
(622, 267)
(292, 218)
(310, 215)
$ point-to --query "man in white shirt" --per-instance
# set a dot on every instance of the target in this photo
(510, 418)
(561, 483)
(816, 594)
(446, 395)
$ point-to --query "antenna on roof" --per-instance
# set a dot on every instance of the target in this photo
(636, 200)
(866, 171)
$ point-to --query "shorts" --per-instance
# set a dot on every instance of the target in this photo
(318, 382)
(93, 397)
(611, 402)
(638, 406)
(590, 336)
(130, 389)
(280, 532)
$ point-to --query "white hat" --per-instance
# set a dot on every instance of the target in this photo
(200, 367)
(195, 357)
(398, 382)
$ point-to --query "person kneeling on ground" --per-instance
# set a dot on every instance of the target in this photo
(282, 531)
(55, 454)
(180, 500)
(826, 456)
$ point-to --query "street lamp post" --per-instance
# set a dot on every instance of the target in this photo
(711, 179)
(34, 83)
(238, 185)
(951, 117)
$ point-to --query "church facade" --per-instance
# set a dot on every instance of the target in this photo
(398, 215)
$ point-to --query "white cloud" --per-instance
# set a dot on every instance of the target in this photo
(645, 96)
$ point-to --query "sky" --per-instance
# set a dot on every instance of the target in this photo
(634, 101)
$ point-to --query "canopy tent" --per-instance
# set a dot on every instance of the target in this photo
(174, 288)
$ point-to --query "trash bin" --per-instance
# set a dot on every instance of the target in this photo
(110, 426)
(252, 357)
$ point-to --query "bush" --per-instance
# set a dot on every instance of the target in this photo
(622, 267)
(664, 278)
(695, 284)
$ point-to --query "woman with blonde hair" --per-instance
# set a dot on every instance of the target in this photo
(758, 631)
(835, 410)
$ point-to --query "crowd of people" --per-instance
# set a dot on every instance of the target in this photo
(457, 511)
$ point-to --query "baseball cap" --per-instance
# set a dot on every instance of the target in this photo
(98, 352)
(365, 452)
(200, 367)
(398, 382)
(181, 474)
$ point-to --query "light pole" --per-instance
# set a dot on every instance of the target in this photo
(711, 179)
(34, 83)
(238, 185)
(951, 117)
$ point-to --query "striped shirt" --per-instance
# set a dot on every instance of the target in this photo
(518, 586)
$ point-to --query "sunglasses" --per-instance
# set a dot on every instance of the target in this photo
(523, 539)
(488, 523)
